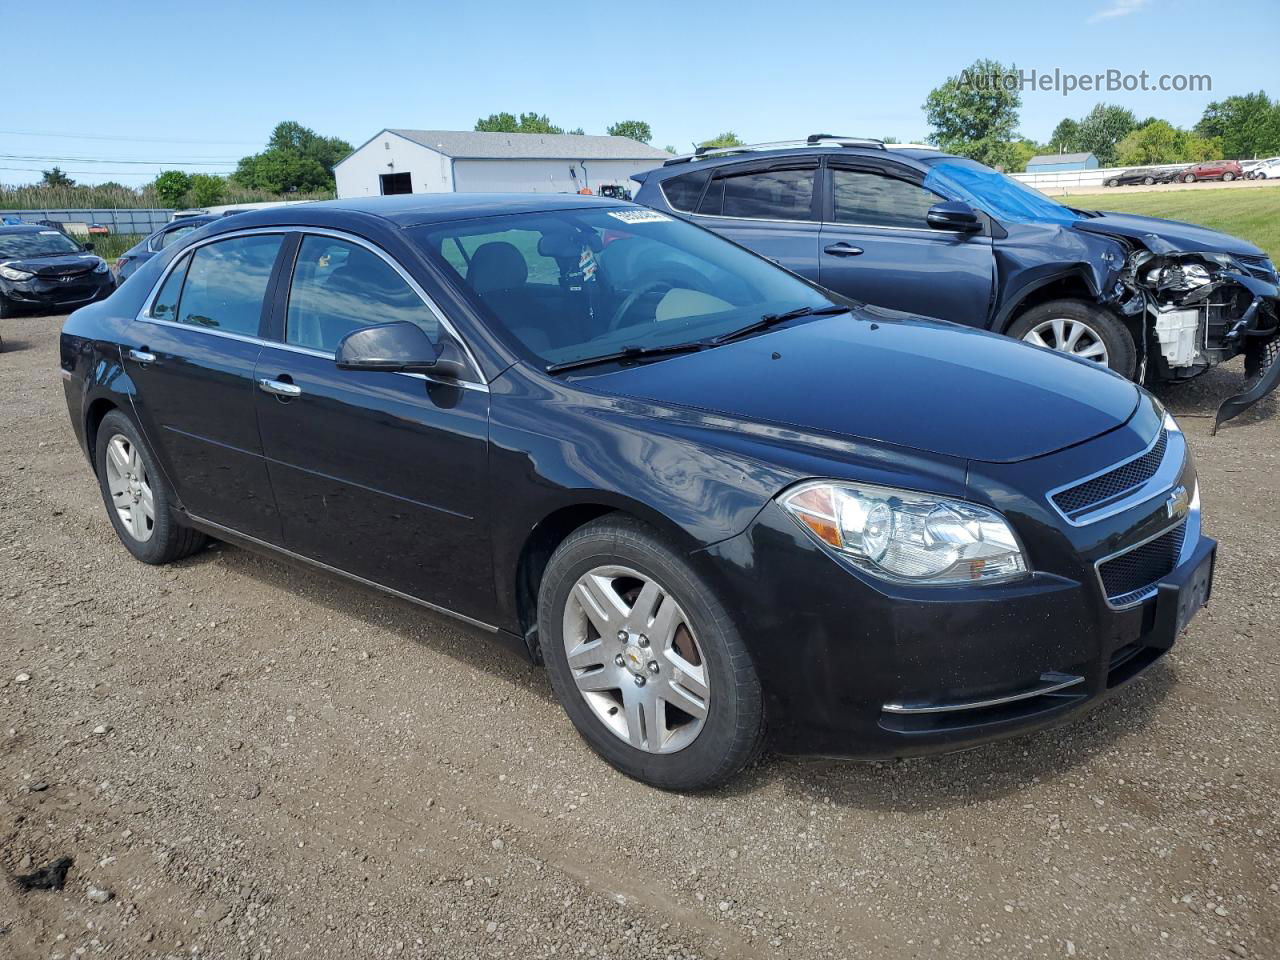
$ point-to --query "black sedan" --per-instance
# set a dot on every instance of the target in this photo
(724, 506)
(1144, 175)
(43, 270)
(144, 250)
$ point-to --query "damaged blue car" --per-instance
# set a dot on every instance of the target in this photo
(924, 232)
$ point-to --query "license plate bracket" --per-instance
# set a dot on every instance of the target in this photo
(1180, 596)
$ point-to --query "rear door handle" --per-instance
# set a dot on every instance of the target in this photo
(141, 356)
(279, 388)
(842, 249)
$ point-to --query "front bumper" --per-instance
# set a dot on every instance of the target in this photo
(57, 295)
(856, 667)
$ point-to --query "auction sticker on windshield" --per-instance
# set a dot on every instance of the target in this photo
(639, 216)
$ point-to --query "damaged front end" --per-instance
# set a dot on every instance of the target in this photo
(1201, 309)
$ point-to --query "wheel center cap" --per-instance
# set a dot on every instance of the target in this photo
(634, 657)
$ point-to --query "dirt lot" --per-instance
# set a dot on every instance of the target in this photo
(253, 761)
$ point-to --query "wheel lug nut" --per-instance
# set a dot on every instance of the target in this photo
(619, 661)
(643, 641)
(640, 680)
(622, 635)
(653, 666)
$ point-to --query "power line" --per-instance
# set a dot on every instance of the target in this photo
(191, 161)
(79, 136)
(86, 173)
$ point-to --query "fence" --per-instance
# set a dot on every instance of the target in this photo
(116, 221)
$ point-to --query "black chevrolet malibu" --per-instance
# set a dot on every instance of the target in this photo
(724, 506)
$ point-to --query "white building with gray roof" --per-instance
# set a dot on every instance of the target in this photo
(452, 161)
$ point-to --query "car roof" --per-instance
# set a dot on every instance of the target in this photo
(417, 209)
(689, 165)
(25, 228)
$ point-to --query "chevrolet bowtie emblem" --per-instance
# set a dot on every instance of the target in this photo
(1178, 503)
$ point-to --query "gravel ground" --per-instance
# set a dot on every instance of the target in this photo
(248, 760)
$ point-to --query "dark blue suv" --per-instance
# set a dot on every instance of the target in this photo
(925, 232)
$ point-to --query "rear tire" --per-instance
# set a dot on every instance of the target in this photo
(139, 502)
(623, 685)
(1228, 177)
(1113, 182)
(1081, 326)
(1189, 178)
(1148, 181)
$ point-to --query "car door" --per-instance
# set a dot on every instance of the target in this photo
(876, 246)
(769, 207)
(379, 474)
(191, 356)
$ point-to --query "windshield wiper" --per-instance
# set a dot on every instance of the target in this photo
(770, 319)
(631, 353)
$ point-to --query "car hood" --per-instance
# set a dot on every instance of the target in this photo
(56, 266)
(1187, 237)
(890, 377)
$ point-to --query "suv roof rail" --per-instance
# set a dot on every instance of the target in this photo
(813, 140)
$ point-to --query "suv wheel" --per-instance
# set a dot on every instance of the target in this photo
(645, 659)
(139, 502)
(1080, 329)
(1228, 176)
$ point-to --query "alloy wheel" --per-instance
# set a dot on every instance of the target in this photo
(1069, 336)
(635, 659)
(130, 487)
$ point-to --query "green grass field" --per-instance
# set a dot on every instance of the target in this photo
(1251, 214)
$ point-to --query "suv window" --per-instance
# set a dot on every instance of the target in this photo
(761, 195)
(871, 199)
(226, 282)
(682, 192)
(339, 287)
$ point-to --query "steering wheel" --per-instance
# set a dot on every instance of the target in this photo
(653, 286)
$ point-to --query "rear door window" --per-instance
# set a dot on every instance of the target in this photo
(226, 282)
(873, 199)
(785, 194)
(684, 191)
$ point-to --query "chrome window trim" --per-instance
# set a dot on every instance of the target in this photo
(1190, 539)
(145, 316)
(1162, 481)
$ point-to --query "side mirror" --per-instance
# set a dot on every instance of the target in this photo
(87, 246)
(399, 347)
(953, 215)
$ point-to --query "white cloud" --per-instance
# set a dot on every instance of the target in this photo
(1118, 8)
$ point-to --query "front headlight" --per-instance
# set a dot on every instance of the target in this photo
(13, 273)
(102, 267)
(908, 537)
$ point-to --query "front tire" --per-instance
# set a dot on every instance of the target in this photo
(1113, 182)
(1081, 330)
(138, 500)
(1189, 178)
(1148, 181)
(645, 659)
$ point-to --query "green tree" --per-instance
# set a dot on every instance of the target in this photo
(635, 129)
(171, 186)
(975, 114)
(1248, 125)
(206, 189)
(1155, 142)
(1023, 151)
(296, 159)
(726, 139)
(525, 123)
(670, 149)
(1102, 129)
(1196, 149)
(56, 178)
(1065, 137)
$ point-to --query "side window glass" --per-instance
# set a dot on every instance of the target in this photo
(339, 287)
(682, 192)
(226, 283)
(165, 306)
(165, 239)
(769, 195)
(870, 199)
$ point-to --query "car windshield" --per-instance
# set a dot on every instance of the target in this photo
(569, 285)
(43, 243)
(999, 195)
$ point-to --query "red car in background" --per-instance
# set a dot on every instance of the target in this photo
(1227, 170)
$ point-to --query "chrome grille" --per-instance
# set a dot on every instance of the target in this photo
(1130, 577)
(1115, 482)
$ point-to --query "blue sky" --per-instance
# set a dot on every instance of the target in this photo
(204, 84)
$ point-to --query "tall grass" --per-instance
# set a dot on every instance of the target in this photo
(110, 246)
(115, 196)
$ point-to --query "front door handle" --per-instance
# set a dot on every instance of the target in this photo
(142, 356)
(842, 249)
(279, 388)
